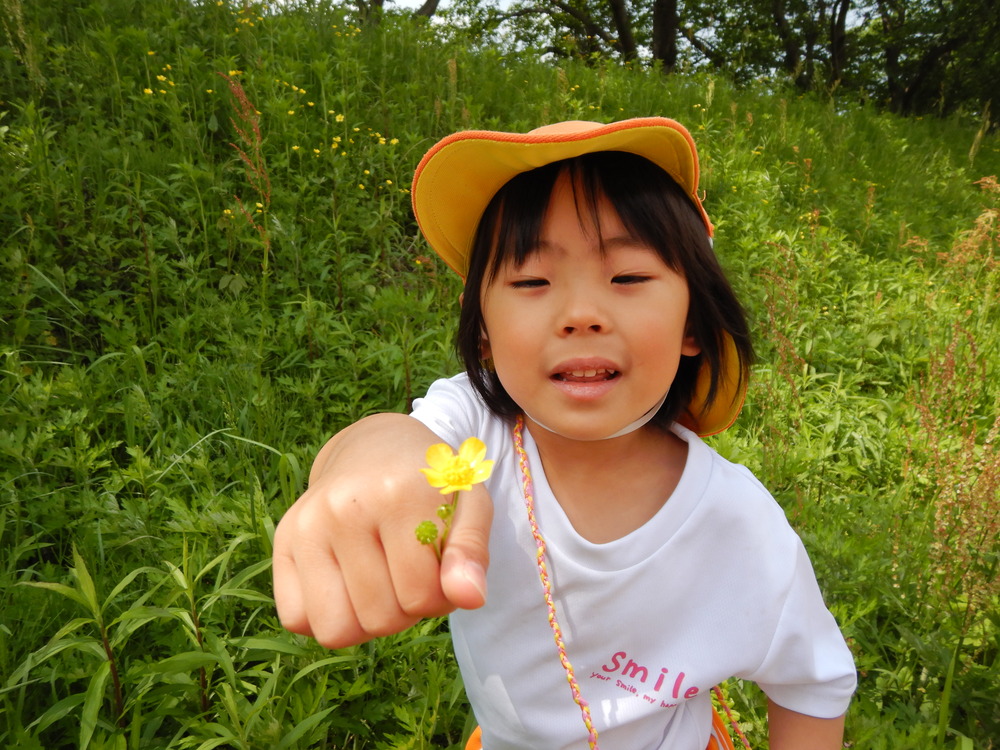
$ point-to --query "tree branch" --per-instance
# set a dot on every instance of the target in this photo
(589, 25)
(623, 25)
(714, 56)
(428, 9)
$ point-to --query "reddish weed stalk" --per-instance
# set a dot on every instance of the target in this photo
(246, 123)
(962, 472)
(978, 246)
(782, 305)
(976, 249)
(954, 453)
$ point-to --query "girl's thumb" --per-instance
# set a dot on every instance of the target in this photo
(466, 556)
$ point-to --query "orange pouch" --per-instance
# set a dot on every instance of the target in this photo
(718, 741)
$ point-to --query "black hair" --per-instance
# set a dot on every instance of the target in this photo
(655, 210)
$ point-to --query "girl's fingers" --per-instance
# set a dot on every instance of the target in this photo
(287, 590)
(332, 619)
(414, 569)
(309, 588)
(374, 600)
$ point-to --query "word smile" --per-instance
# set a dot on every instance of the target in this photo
(640, 681)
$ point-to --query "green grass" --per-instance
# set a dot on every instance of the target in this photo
(198, 295)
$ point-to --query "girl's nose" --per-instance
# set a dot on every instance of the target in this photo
(594, 327)
(582, 312)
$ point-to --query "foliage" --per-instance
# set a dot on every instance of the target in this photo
(911, 56)
(211, 266)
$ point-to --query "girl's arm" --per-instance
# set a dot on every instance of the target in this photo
(347, 564)
(790, 730)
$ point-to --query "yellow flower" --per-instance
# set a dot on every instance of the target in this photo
(339, 118)
(452, 473)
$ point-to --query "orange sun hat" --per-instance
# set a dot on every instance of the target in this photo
(458, 177)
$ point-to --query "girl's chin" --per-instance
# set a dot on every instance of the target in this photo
(590, 432)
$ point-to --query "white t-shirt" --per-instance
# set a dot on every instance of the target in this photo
(715, 585)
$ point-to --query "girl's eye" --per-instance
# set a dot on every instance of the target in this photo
(529, 283)
(629, 279)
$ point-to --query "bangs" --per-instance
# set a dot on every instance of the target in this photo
(635, 187)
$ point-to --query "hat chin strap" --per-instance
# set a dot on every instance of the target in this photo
(631, 427)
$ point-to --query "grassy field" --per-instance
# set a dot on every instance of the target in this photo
(210, 266)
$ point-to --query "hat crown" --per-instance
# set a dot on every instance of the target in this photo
(460, 174)
(567, 126)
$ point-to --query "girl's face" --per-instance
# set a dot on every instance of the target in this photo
(586, 335)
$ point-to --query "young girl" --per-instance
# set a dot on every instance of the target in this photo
(629, 568)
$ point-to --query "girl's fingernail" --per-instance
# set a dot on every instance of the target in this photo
(475, 575)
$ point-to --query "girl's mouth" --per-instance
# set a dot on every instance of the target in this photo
(596, 375)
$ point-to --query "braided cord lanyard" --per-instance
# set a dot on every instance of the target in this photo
(543, 574)
(732, 719)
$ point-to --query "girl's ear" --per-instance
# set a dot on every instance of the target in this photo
(690, 346)
(485, 350)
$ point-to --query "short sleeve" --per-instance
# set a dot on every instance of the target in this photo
(808, 667)
(451, 410)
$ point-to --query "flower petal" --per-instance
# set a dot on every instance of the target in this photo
(482, 471)
(434, 478)
(440, 456)
(472, 451)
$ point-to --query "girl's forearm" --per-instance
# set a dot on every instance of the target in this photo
(790, 730)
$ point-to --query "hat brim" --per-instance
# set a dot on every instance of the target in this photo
(730, 394)
(458, 176)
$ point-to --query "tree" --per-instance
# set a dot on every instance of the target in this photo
(640, 30)
(915, 56)
(936, 55)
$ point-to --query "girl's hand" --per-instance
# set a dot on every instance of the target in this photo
(347, 567)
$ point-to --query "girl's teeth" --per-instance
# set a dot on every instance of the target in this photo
(588, 373)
